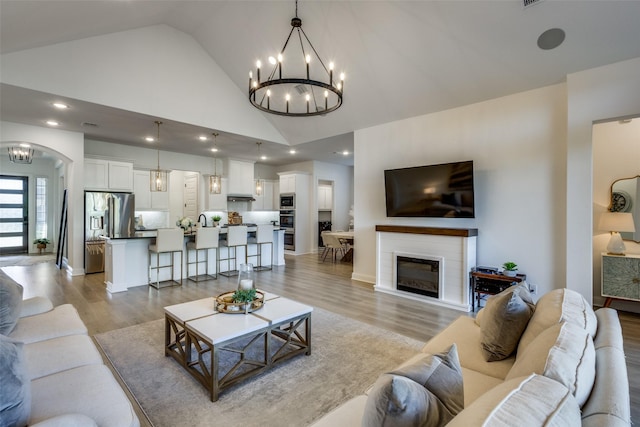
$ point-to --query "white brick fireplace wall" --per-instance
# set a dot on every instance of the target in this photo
(456, 247)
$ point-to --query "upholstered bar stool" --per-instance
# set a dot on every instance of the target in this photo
(168, 240)
(264, 236)
(206, 238)
(236, 236)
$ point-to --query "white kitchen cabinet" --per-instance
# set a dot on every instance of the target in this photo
(108, 175)
(325, 197)
(265, 201)
(287, 183)
(120, 176)
(145, 199)
(96, 174)
(240, 177)
(216, 202)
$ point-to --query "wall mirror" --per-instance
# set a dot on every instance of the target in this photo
(625, 197)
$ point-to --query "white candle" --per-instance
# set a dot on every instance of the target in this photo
(246, 284)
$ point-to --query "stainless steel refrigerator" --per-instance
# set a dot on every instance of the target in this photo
(107, 215)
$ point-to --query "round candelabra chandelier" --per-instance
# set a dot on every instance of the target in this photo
(314, 92)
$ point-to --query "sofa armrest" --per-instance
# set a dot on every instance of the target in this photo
(35, 305)
(608, 403)
(67, 420)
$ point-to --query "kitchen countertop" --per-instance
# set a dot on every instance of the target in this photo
(151, 234)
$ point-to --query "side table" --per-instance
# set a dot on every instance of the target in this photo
(620, 277)
(491, 284)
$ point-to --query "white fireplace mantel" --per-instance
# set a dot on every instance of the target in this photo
(456, 246)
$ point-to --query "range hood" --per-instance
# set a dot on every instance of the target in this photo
(240, 198)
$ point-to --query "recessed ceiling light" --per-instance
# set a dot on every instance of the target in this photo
(25, 145)
(624, 121)
(292, 151)
(214, 149)
(345, 153)
(149, 138)
(202, 138)
(551, 39)
(263, 157)
(52, 123)
(60, 105)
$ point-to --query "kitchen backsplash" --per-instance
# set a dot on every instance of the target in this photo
(153, 219)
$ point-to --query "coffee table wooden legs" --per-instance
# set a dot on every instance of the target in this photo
(251, 354)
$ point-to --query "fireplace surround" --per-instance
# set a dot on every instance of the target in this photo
(454, 248)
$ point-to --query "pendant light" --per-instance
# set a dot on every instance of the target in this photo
(158, 178)
(259, 183)
(215, 180)
(22, 154)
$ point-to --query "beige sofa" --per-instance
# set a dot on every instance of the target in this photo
(569, 369)
(52, 372)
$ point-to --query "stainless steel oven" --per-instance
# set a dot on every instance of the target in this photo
(290, 240)
(288, 219)
(287, 201)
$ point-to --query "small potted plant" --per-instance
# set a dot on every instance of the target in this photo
(244, 297)
(510, 268)
(41, 243)
(216, 220)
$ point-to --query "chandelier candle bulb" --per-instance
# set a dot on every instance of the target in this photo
(258, 64)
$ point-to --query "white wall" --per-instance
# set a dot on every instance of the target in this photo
(68, 147)
(154, 70)
(597, 94)
(616, 155)
(516, 143)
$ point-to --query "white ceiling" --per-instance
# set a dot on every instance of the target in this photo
(401, 58)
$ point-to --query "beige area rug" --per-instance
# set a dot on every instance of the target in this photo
(25, 260)
(347, 357)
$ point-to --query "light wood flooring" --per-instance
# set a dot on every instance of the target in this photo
(305, 278)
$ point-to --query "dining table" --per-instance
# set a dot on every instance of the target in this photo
(348, 237)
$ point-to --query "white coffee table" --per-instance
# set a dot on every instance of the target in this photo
(250, 343)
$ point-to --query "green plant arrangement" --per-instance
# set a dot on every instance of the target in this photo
(510, 266)
(216, 218)
(42, 241)
(244, 296)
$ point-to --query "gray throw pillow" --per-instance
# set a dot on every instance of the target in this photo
(505, 318)
(15, 389)
(10, 303)
(427, 393)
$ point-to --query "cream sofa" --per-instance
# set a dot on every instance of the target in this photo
(579, 380)
(64, 381)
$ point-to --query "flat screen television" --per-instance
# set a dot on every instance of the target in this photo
(434, 191)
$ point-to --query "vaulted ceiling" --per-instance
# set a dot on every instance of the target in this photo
(401, 58)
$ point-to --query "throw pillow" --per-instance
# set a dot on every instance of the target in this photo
(533, 401)
(505, 317)
(427, 393)
(564, 353)
(557, 306)
(10, 303)
(15, 392)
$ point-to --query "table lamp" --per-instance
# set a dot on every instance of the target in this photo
(616, 222)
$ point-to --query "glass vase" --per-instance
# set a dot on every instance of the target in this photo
(246, 277)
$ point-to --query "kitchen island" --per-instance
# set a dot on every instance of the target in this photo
(127, 261)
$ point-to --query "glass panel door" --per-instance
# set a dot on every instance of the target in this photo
(14, 214)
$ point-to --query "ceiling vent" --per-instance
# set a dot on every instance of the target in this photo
(302, 89)
(89, 124)
(529, 3)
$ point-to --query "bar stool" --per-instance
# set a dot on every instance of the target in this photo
(168, 240)
(236, 236)
(264, 236)
(206, 238)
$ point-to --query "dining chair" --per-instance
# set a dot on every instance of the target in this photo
(331, 244)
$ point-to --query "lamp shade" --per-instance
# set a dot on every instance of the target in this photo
(617, 221)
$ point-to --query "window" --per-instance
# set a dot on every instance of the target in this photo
(41, 207)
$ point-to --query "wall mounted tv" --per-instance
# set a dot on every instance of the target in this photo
(434, 191)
